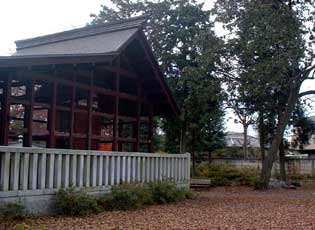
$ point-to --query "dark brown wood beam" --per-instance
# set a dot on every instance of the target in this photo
(19, 101)
(90, 111)
(116, 112)
(22, 119)
(6, 111)
(123, 72)
(28, 116)
(45, 60)
(72, 109)
(128, 140)
(138, 118)
(108, 92)
(52, 116)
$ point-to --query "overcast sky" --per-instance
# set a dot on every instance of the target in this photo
(21, 19)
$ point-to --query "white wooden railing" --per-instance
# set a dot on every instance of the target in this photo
(23, 169)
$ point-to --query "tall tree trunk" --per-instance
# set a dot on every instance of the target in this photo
(193, 158)
(245, 127)
(262, 136)
(282, 162)
(277, 138)
(182, 145)
(193, 154)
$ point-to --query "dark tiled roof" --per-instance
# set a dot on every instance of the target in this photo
(102, 43)
(135, 22)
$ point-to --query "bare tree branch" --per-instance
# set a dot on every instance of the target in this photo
(309, 92)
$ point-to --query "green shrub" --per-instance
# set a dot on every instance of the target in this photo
(120, 200)
(248, 176)
(258, 185)
(183, 194)
(135, 196)
(166, 192)
(296, 183)
(144, 195)
(70, 202)
(226, 175)
(296, 176)
(13, 211)
(126, 197)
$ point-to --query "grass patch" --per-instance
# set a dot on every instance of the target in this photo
(13, 211)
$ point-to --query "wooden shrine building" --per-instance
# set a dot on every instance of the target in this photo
(96, 88)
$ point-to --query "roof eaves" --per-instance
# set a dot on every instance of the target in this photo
(37, 60)
(56, 55)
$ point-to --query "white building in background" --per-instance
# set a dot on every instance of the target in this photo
(235, 139)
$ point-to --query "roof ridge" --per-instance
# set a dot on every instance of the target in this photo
(88, 30)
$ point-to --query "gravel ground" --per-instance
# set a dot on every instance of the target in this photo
(218, 208)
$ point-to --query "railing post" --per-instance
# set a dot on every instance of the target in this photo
(112, 170)
(123, 170)
(128, 168)
(168, 168)
(118, 168)
(51, 171)
(73, 170)
(58, 171)
(142, 176)
(94, 170)
(5, 171)
(100, 171)
(147, 167)
(134, 167)
(106, 170)
(16, 168)
(87, 171)
(25, 171)
(42, 171)
(33, 171)
(65, 171)
(80, 176)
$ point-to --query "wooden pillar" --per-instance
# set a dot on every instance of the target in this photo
(138, 116)
(116, 111)
(6, 111)
(73, 96)
(28, 117)
(52, 116)
(90, 111)
(150, 129)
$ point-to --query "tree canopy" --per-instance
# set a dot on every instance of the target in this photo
(179, 33)
(270, 49)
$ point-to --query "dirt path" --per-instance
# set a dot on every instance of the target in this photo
(219, 208)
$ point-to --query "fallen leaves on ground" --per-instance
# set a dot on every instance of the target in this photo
(218, 208)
